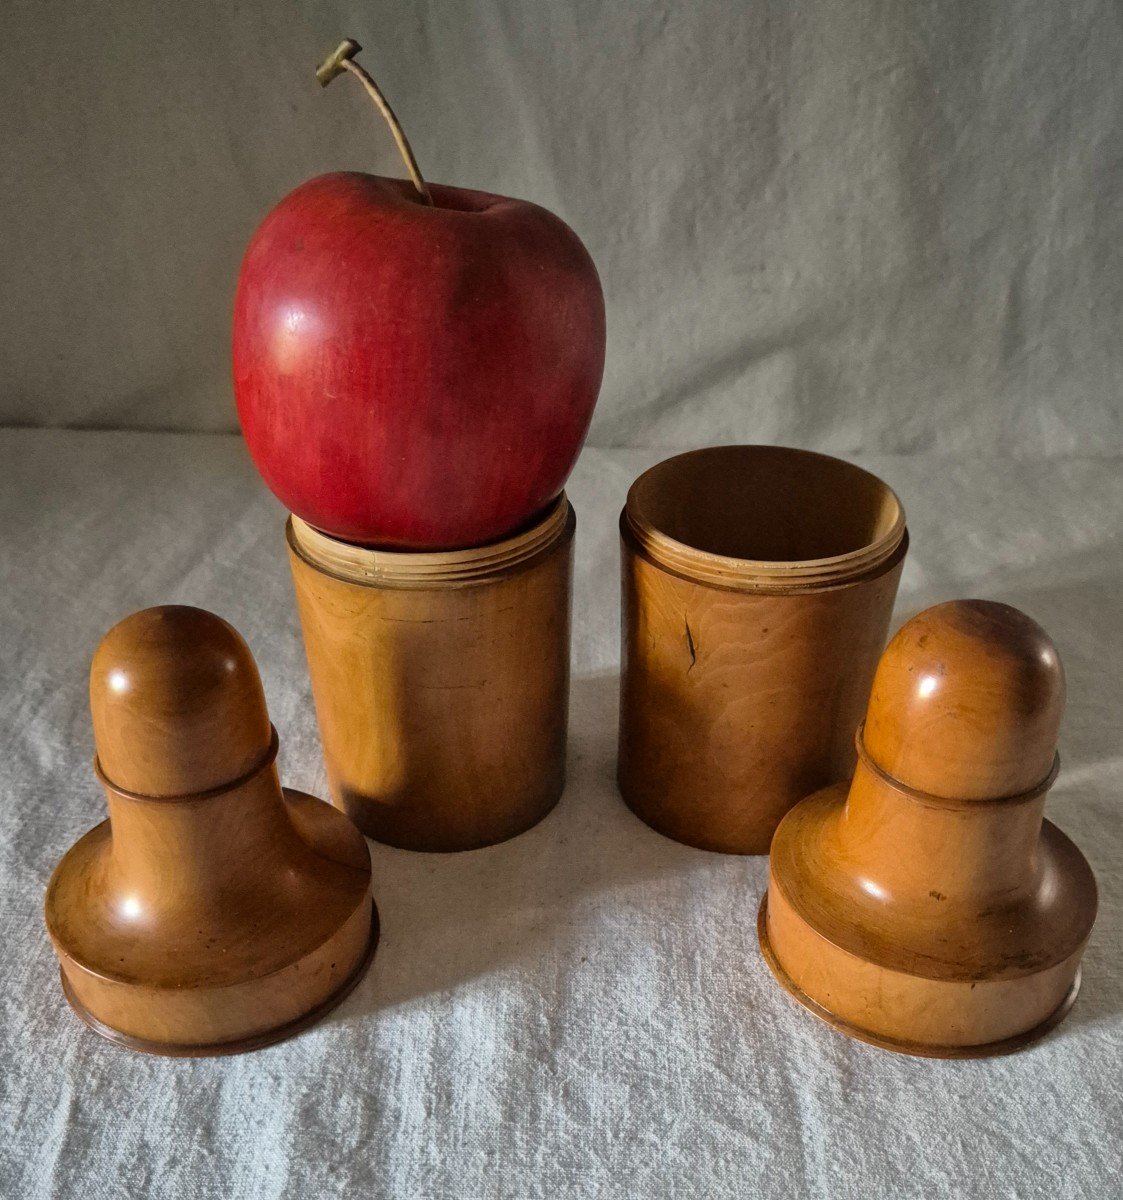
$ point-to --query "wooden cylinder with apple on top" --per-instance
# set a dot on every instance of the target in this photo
(415, 368)
(441, 681)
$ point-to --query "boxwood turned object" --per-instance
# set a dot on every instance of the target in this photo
(441, 680)
(213, 912)
(929, 908)
(758, 583)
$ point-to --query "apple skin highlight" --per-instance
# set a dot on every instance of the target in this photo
(411, 376)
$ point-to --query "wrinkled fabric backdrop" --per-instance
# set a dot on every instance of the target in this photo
(848, 224)
(888, 231)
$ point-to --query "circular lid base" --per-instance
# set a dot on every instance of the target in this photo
(916, 1049)
(257, 1041)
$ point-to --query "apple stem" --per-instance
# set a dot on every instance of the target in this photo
(343, 59)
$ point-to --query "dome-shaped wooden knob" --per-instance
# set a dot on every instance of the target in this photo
(967, 702)
(213, 912)
(928, 907)
(177, 703)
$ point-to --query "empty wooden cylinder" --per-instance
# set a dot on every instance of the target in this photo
(758, 583)
(441, 680)
(928, 908)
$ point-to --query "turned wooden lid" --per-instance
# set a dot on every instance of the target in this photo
(967, 702)
(177, 703)
(927, 906)
(213, 912)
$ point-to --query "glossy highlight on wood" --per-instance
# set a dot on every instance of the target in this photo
(928, 907)
(213, 912)
(441, 680)
(758, 583)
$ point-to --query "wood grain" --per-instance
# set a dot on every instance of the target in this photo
(441, 681)
(956, 733)
(206, 921)
(743, 678)
(948, 921)
(166, 681)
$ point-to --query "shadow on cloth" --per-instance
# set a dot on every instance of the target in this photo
(531, 907)
(451, 918)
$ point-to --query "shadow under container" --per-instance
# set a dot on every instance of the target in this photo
(441, 680)
(758, 585)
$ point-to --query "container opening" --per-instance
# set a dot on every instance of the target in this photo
(765, 504)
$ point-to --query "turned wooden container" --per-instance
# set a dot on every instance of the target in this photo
(212, 912)
(758, 584)
(928, 908)
(441, 680)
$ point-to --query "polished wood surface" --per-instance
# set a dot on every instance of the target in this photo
(150, 722)
(758, 584)
(441, 681)
(946, 920)
(219, 918)
(955, 732)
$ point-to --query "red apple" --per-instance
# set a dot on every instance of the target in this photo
(411, 375)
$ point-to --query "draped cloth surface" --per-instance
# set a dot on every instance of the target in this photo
(582, 1011)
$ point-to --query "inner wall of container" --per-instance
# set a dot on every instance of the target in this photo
(765, 503)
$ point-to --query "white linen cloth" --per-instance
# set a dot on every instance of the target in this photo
(583, 1011)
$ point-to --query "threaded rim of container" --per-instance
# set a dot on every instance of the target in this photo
(397, 568)
(764, 518)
